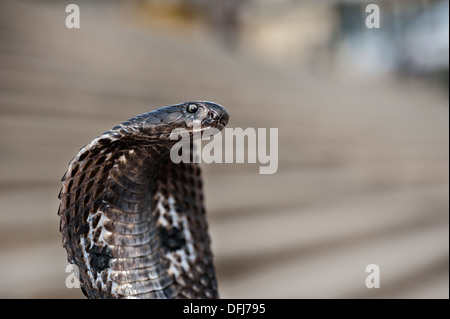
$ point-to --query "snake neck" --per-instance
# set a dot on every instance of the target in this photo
(135, 223)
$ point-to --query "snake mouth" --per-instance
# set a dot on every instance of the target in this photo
(223, 121)
(218, 125)
(217, 119)
(211, 127)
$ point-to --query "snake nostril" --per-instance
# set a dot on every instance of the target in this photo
(213, 116)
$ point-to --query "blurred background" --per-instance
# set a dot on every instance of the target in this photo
(362, 115)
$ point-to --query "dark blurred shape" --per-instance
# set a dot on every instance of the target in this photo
(413, 37)
(326, 37)
(425, 45)
(226, 18)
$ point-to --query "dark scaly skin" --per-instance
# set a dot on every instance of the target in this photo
(133, 221)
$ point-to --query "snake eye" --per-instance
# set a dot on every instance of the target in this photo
(192, 108)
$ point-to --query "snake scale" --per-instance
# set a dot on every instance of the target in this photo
(132, 221)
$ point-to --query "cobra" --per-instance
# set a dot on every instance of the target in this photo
(132, 221)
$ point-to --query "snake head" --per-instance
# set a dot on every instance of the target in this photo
(156, 126)
(202, 116)
(198, 116)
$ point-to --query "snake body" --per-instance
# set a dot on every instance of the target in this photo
(132, 221)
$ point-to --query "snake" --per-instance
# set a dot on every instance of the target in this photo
(133, 221)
